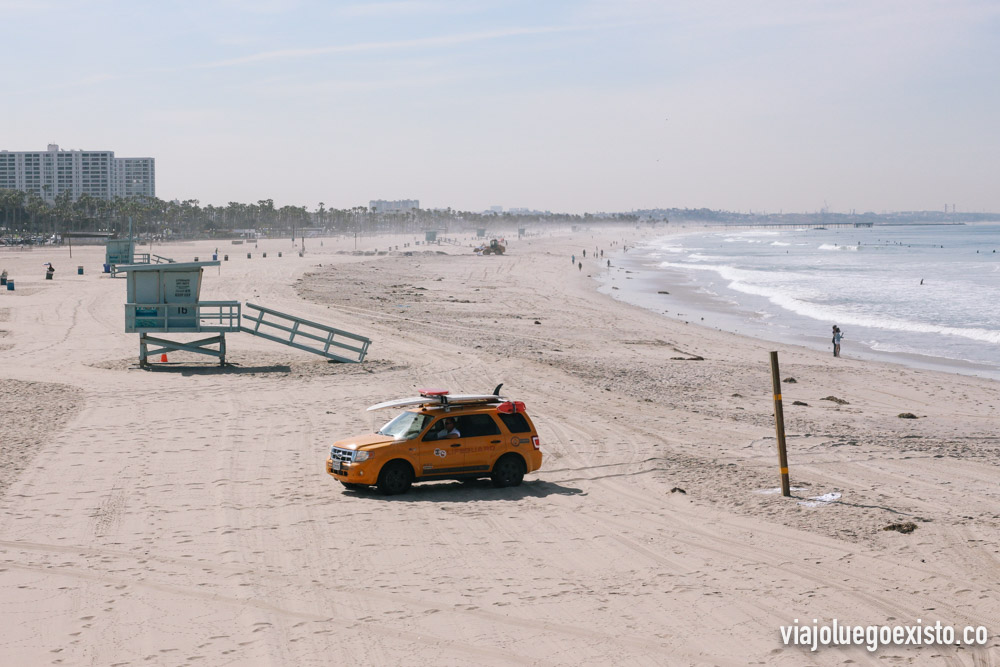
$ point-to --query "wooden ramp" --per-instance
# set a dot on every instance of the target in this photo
(299, 333)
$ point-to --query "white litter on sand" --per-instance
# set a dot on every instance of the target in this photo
(817, 501)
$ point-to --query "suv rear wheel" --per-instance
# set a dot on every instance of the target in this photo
(395, 478)
(507, 471)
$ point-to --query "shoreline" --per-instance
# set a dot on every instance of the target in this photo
(687, 301)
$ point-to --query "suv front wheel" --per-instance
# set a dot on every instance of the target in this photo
(395, 478)
(507, 471)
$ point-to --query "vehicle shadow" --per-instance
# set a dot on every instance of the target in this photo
(479, 490)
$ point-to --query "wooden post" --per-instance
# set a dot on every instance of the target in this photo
(779, 426)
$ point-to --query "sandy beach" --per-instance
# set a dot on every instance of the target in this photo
(182, 515)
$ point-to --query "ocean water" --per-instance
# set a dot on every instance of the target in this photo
(793, 285)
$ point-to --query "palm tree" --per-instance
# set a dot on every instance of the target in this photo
(83, 210)
(321, 214)
(265, 211)
(9, 204)
(63, 210)
(36, 209)
(235, 215)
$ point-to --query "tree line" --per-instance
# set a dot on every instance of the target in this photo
(27, 214)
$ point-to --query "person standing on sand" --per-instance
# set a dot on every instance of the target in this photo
(837, 335)
(581, 266)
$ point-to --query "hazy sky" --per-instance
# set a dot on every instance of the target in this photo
(595, 105)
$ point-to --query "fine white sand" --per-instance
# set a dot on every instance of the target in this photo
(182, 515)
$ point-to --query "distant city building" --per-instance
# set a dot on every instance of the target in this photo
(495, 209)
(397, 206)
(135, 177)
(96, 173)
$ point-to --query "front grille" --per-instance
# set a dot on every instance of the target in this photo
(338, 454)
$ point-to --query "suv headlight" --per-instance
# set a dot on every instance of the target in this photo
(362, 455)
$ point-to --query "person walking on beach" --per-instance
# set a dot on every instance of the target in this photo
(837, 335)
(580, 265)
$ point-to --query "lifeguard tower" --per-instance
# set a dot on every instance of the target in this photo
(430, 235)
(121, 252)
(165, 298)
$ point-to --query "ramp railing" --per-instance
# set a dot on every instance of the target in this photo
(299, 333)
(216, 316)
(142, 258)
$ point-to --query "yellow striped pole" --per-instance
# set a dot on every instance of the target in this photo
(779, 426)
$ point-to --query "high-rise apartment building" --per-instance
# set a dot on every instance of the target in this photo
(396, 206)
(96, 173)
(135, 176)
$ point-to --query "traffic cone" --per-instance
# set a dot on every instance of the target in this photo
(163, 358)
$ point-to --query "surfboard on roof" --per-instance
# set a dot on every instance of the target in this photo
(440, 397)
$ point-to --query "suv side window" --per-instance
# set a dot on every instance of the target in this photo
(432, 432)
(515, 423)
(472, 426)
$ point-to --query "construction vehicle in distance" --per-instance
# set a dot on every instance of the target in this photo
(494, 248)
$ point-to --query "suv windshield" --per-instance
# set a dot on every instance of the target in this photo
(406, 425)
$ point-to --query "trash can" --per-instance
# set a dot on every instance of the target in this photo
(107, 268)
(248, 255)
(279, 254)
(10, 285)
(225, 258)
(196, 259)
(79, 270)
(3, 280)
(48, 275)
(264, 254)
(215, 258)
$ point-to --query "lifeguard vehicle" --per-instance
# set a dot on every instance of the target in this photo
(486, 435)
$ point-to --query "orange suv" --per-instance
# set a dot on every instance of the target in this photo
(440, 437)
